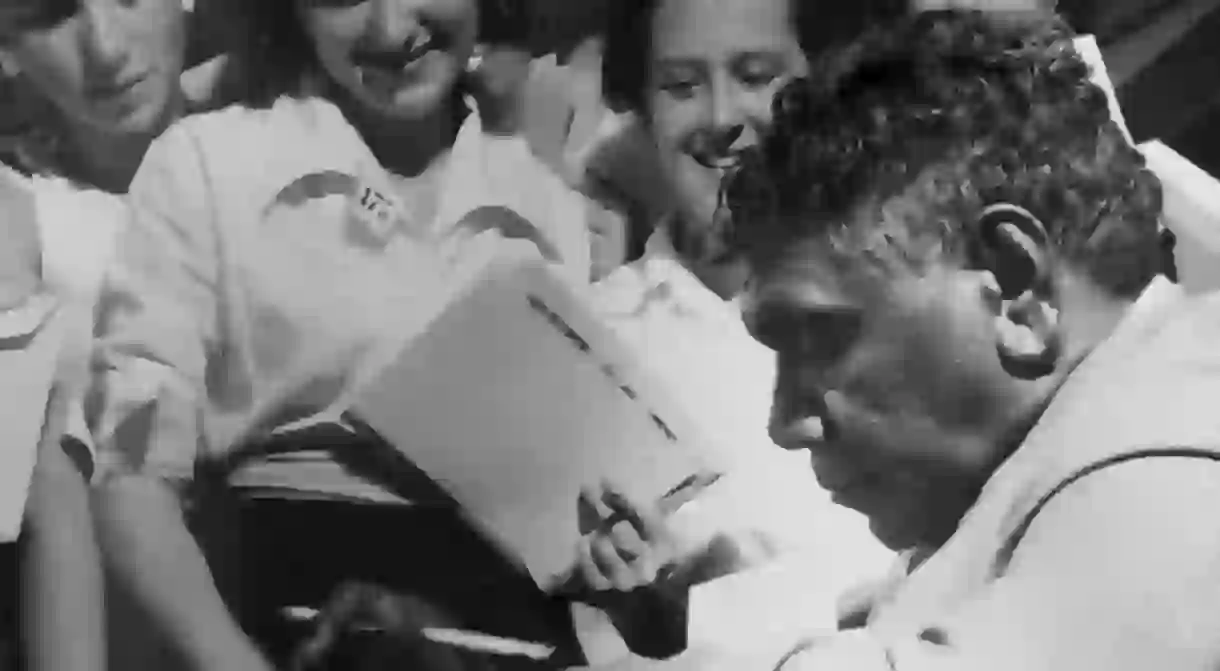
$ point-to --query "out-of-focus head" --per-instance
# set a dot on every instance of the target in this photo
(112, 66)
(401, 59)
(941, 224)
(702, 74)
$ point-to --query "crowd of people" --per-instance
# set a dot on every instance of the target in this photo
(908, 242)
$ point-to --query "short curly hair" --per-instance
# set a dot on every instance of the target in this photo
(627, 53)
(931, 119)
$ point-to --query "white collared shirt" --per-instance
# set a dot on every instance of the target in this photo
(268, 269)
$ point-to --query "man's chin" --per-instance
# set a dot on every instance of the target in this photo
(893, 534)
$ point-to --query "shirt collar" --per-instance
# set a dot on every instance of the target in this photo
(664, 273)
(1148, 310)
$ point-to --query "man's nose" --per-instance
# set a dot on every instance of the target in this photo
(106, 36)
(798, 417)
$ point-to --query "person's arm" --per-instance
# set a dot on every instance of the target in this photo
(1120, 571)
(158, 320)
(62, 612)
(640, 570)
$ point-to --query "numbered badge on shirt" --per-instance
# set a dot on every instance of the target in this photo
(370, 218)
(373, 218)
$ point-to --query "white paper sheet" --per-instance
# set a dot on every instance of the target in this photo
(512, 415)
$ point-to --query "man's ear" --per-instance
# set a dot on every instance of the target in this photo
(1013, 245)
(1014, 252)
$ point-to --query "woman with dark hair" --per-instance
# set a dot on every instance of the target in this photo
(278, 251)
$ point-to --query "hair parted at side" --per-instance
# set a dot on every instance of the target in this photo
(627, 54)
(936, 116)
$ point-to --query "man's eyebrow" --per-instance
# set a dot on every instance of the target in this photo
(679, 61)
(761, 53)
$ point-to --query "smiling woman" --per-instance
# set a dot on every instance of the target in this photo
(700, 76)
(278, 249)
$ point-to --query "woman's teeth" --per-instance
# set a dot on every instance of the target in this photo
(717, 162)
(400, 59)
(418, 47)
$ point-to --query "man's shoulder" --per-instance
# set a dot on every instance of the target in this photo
(1147, 392)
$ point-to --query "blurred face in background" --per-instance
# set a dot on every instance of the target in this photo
(398, 58)
(716, 65)
(110, 66)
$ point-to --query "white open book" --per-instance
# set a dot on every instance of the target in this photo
(514, 398)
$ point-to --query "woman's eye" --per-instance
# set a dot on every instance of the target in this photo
(759, 80)
(333, 4)
(682, 90)
(757, 71)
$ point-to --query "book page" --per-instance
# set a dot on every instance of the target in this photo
(515, 398)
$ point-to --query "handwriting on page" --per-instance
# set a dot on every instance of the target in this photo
(581, 344)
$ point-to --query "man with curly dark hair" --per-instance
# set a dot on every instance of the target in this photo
(956, 260)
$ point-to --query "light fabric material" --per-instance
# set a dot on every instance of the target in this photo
(20, 271)
(501, 170)
(769, 499)
(267, 272)
(26, 355)
(79, 229)
(1119, 570)
(71, 233)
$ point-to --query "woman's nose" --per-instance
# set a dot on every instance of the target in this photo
(393, 23)
(727, 104)
(105, 36)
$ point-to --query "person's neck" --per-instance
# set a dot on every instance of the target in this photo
(407, 147)
(726, 276)
(1088, 314)
(109, 161)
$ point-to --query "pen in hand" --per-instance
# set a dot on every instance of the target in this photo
(571, 584)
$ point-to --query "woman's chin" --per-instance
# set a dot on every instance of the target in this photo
(415, 100)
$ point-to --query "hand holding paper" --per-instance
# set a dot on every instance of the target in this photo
(625, 544)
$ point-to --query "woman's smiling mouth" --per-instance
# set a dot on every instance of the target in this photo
(390, 68)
